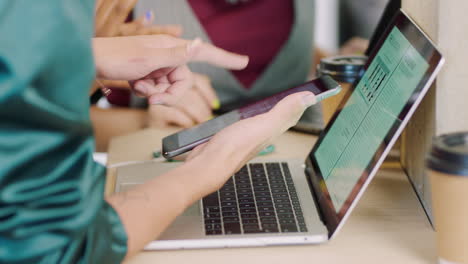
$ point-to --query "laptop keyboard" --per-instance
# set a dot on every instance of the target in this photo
(260, 198)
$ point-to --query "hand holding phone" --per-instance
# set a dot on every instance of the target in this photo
(185, 140)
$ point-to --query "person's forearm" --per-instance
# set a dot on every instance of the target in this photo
(147, 210)
(99, 49)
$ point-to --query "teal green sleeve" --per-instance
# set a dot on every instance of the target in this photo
(52, 207)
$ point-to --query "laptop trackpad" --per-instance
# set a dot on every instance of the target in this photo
(187, 225)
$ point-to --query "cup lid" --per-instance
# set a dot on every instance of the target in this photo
(449, 154)
(343, 68)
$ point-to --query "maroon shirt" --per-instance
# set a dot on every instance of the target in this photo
(257, 28)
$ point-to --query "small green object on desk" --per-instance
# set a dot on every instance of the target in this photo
(267, 150)
(157, 154)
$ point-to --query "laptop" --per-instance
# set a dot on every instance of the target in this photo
(285, 202)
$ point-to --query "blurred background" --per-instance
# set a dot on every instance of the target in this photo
(336, 21)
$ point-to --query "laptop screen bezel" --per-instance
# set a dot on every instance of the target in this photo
(425, 47)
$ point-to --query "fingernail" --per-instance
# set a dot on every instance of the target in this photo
(309, 99)
(216, 104)
(141, 88)
(193, 44)
(149, 16)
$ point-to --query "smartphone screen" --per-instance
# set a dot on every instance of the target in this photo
(188, 139)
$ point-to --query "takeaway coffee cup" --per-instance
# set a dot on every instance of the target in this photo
(448, 169)
(345, 70)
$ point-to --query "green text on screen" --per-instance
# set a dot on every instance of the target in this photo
(369, 114)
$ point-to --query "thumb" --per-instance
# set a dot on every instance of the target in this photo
(195, 152)
(290, 109)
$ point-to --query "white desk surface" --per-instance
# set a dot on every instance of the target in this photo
(387, 226)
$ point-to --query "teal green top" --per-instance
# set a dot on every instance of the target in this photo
(51, 192)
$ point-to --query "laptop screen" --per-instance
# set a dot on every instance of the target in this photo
(360, 134)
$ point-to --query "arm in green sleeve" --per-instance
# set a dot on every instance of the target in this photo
(52, 208)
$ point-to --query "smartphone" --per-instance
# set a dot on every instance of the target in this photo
(185, 140)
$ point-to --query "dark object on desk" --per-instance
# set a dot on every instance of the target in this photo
(347, 71)
(343, 69)
(94, 98)
(449, 154)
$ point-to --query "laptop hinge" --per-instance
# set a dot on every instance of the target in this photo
(308, 173)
